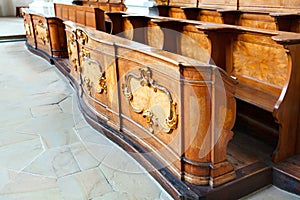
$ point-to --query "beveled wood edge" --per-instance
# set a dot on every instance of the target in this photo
(281, 37)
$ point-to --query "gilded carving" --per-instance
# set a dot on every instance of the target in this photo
(82, 37)
(72, 47)
(261, 62)
(41, 31)
(27, 28)
(93, 77)
(150, 99)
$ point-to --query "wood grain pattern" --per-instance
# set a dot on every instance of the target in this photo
(47, 34)
(278, 15)
(151, 100)
(261, 63)
(87, 16)
(109, 5)
(257, 60)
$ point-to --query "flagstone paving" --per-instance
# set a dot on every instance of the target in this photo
(47, 149)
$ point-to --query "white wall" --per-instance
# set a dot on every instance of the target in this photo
(8, 7)
(46, 7)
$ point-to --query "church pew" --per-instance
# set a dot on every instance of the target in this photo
(264, 62)
(115, 78)
(106, 5)
(281, 17)
(87, 16)
(45, 34)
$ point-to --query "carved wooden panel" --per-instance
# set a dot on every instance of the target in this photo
(92, 75)
(153, 101)
(266, 62)
(41, 33)
(29, 30)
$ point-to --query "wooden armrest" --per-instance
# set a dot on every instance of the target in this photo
(287, 38)
(228, 11)
(211, 27)
(278, 14)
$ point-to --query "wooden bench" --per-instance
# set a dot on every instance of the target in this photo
(262, 14)
(116, 77)
(87, 16)
(45, 34)
(106, 5)
(264, 62)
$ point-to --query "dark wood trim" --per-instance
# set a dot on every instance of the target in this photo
(40, 53)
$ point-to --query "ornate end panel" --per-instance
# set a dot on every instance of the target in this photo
(151, 100)
(41, 32)
(261, 61)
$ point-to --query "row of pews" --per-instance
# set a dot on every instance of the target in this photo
(172, 90)
(278, 15)
(263, 61)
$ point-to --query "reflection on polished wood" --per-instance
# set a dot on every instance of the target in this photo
(149, 92)
(87, 16)
(263, 61)
(272, 15)
(169, 104)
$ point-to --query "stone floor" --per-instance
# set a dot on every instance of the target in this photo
(48, 151)
(46, 147)
(11, 26)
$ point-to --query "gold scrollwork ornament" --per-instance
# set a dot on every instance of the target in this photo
(102, 84)
(145, 80)
(82, 36)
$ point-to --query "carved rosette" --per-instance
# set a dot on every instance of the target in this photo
(153, 101)
(41, 32)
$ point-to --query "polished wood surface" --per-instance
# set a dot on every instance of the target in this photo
(256, 5)
(45, 33)
(263, 61)
(119, 77)
(87, 16)
(283, 16)
(146, 99)
(106, 5)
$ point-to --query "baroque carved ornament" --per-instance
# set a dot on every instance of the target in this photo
(153, 101)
